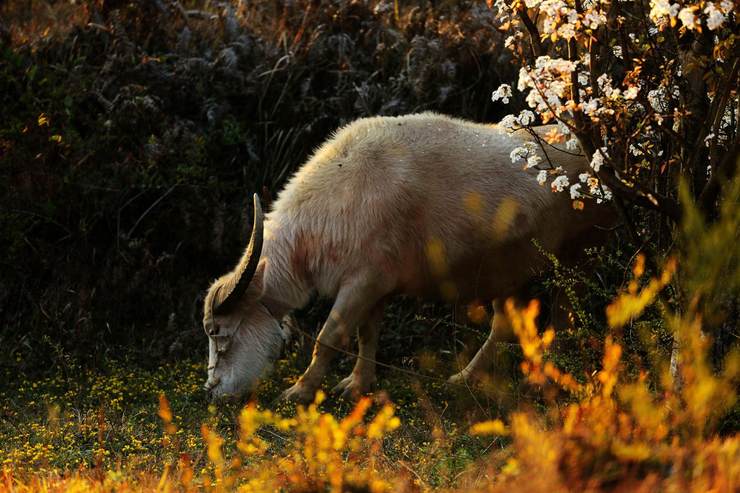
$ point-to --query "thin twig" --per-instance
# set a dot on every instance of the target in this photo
(146, 212)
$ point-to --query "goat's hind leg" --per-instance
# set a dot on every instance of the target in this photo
(362, 378)
(483, 360)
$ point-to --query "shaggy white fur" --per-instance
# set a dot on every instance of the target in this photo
(424, 205)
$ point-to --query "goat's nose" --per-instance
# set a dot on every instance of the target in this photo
(210, 394)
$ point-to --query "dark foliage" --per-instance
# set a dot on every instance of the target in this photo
(132, 134)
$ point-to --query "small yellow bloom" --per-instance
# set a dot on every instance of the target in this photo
(492, 427)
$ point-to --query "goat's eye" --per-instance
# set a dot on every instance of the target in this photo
(222, 345)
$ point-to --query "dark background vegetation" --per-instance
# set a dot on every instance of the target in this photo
(133, 133)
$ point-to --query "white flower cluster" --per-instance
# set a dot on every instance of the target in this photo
(593, 18)
(601, 193)
(549, 89)
(542, 177)
(631, 92)
(595, 188)
(503, 93)
(527, 154)
(661, 11)
(688, 18)
(559, 184)
(591, 107)
(605, 84)
(597, 160)
(716, 16)
(555, 65)
(572, 144)
(526, 117)
(658, 99)
(548, 83)
(559, 18)
(511, 122)
(519, 153)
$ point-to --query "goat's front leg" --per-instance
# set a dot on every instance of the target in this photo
(350, 309)
(362, 378)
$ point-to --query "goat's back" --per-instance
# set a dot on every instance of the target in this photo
(427, 202)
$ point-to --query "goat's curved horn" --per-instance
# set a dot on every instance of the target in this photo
(235, 287)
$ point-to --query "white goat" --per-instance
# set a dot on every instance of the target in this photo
(423, 205)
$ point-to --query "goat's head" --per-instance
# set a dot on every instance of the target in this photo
(244, 338)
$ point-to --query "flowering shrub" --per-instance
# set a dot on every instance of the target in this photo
(620, 430)
(326, 454)
(648, 90)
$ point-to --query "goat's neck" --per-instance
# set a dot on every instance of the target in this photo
(285, 289)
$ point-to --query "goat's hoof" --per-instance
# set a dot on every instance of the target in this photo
(299, 394)
(353, 387)
(461, 378)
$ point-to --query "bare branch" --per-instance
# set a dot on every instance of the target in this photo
(534, 33)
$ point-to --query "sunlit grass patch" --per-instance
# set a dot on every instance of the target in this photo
(608, 430)
(112, 424)
(80, 417)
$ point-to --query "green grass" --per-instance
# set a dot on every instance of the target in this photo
(108, 417)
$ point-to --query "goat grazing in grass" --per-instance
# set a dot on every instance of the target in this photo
(423, 205)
